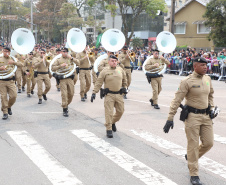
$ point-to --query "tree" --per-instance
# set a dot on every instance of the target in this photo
(137, 42)
(216, 19)
(131, 9)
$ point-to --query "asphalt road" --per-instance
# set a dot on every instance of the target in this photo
(38, 146)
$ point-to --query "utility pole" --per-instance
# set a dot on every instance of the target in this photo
(94, 36)
(9, 21)
(172, 16)
(32, 16)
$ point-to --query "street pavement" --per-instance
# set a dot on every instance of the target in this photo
(38, 146)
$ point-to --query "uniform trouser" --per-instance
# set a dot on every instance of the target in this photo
(112, 101)
(128, 76)
(67, 91)
(7, 87)
(94, 76)
(85, 81)
(40, 79)
(156, 84)
(31, 81)
(20, 75)
(76, 77)
(197, 125)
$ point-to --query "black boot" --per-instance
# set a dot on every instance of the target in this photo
(152, 104)
(5, 116)
(23, 89)
(109, 134)
(85, 96)
(156, 106)
(125, 96)
(186, 157)
(195, 180)
(65, 112)
(83, 99)
(32, 92)
(114, 127)
(19, 90)
(10, 111)
(40, 101)
(28, 95)
(44, 97)
(58, 89)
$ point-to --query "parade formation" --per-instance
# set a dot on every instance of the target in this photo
(111, 75)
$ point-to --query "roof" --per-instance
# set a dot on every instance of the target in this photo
(187, 3)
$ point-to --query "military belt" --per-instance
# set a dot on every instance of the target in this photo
(8, 79)
(114, 92)
(128, 67)
(85, 68)
(197, 111)
(43, 73)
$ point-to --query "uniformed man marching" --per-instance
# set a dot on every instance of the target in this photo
(20, 74)
(125, 60)
(42, 67)
(198, 93)
(156, 82)
(84, 73)
(94, 75)
(114, 79)
(7, 86)
(66, 84)
(31, 81)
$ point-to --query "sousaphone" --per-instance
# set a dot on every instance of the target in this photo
(23, 42)
(166, 43)
(76, 41)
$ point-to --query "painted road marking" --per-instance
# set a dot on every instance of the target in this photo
(204, 162)
(52, 168)
(125, 161)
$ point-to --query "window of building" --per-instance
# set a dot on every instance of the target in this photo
(89, 30)
(180, 29)
(202, 29)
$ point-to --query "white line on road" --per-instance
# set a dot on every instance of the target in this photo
(54, 170)
(125, 161)
(205, 162)
(146, 102)
(46, 112)
(217, 138)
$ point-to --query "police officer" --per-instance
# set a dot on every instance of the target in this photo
(104, 63)
(94, 75)
(198, 93)
(125, 60)
(73, 54)
(20, 74)
(7, 86)
(42, 67)
(66, 84)
(114, 79)
(31, 81)
(84, 73)
(156, 82)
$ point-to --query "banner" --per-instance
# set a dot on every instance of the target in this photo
(99, 40)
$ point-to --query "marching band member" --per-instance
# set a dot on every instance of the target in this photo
(84, 73)
(114, 79)
(7, 86)
(104, 63)
(66, 84)
(42, 67)
(94, 75)
(73, 54)
(156, 82)
(31, 81)
(20, 74)
(125, 60)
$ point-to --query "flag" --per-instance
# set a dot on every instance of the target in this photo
(98, 40)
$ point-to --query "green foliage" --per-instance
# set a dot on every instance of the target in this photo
(216, 19)
(137, 42)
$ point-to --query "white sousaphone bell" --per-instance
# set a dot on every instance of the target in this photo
(112, 40)
(23, 42)
(76, 41)
(166, 43)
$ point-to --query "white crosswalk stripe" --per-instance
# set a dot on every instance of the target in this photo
(125, 161)
(204, 162)
(52, 168)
